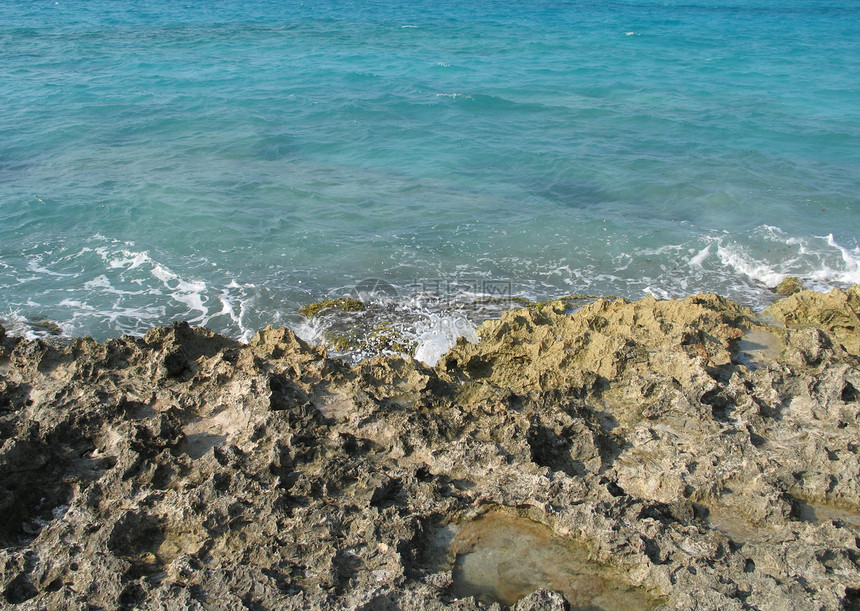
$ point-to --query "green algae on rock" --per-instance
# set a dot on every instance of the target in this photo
(344, 304)
(386, 338)
(569, 303)
(789, 286)
(45, 325)
(356, 330)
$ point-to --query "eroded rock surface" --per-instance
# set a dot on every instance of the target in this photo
(694, 455)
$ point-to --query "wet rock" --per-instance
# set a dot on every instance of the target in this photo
(543, 600)
(789, 286)
(680, 453)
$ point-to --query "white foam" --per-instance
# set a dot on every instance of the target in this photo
(657, 293)
(189, 292)
(129, 260)
(661, 250)
(697, 260)
(228, 308)
(309, 333)
(439, 334)
(162, 273)
(16, 325)
(35, 265)
(75, 303)
(851, 258)
(742, 262)
(819, 260)
(100, 282)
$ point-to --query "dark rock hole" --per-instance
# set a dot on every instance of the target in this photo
(132, 596)
(720, 406)
(284, 393)
(849, 393)
(19, 590)
(613, 488)
(756, 439)
(852, 599)
(24, 510)
(176, 364)
(550, 450)
(477, 367)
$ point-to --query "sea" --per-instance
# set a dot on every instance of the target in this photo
(226, 163)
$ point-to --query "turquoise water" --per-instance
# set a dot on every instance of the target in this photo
(228, 162)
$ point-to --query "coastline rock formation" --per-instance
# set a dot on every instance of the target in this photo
(657, 454)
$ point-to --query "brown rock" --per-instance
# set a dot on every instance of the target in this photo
(836, 312)
(696, 455)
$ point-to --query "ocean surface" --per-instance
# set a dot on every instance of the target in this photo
(228, 162)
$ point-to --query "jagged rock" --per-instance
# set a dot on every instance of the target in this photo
(702, 458)
(836, 312)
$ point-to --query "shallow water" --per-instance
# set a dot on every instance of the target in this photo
(227, 163)
(757, 348)
(502, 558)
(818, 512)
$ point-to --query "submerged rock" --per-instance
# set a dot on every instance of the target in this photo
(503, 558)
(789, 286)
(423, 327)
(345, 304)
(676, 453)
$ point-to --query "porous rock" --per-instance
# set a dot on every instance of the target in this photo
(702, 456)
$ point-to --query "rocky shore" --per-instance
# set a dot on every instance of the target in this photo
(659, 454)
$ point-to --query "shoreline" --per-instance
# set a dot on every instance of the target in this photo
(683, 452)
(363, 324)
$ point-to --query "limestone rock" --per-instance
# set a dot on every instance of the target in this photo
(703, 458)
(836, 312)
